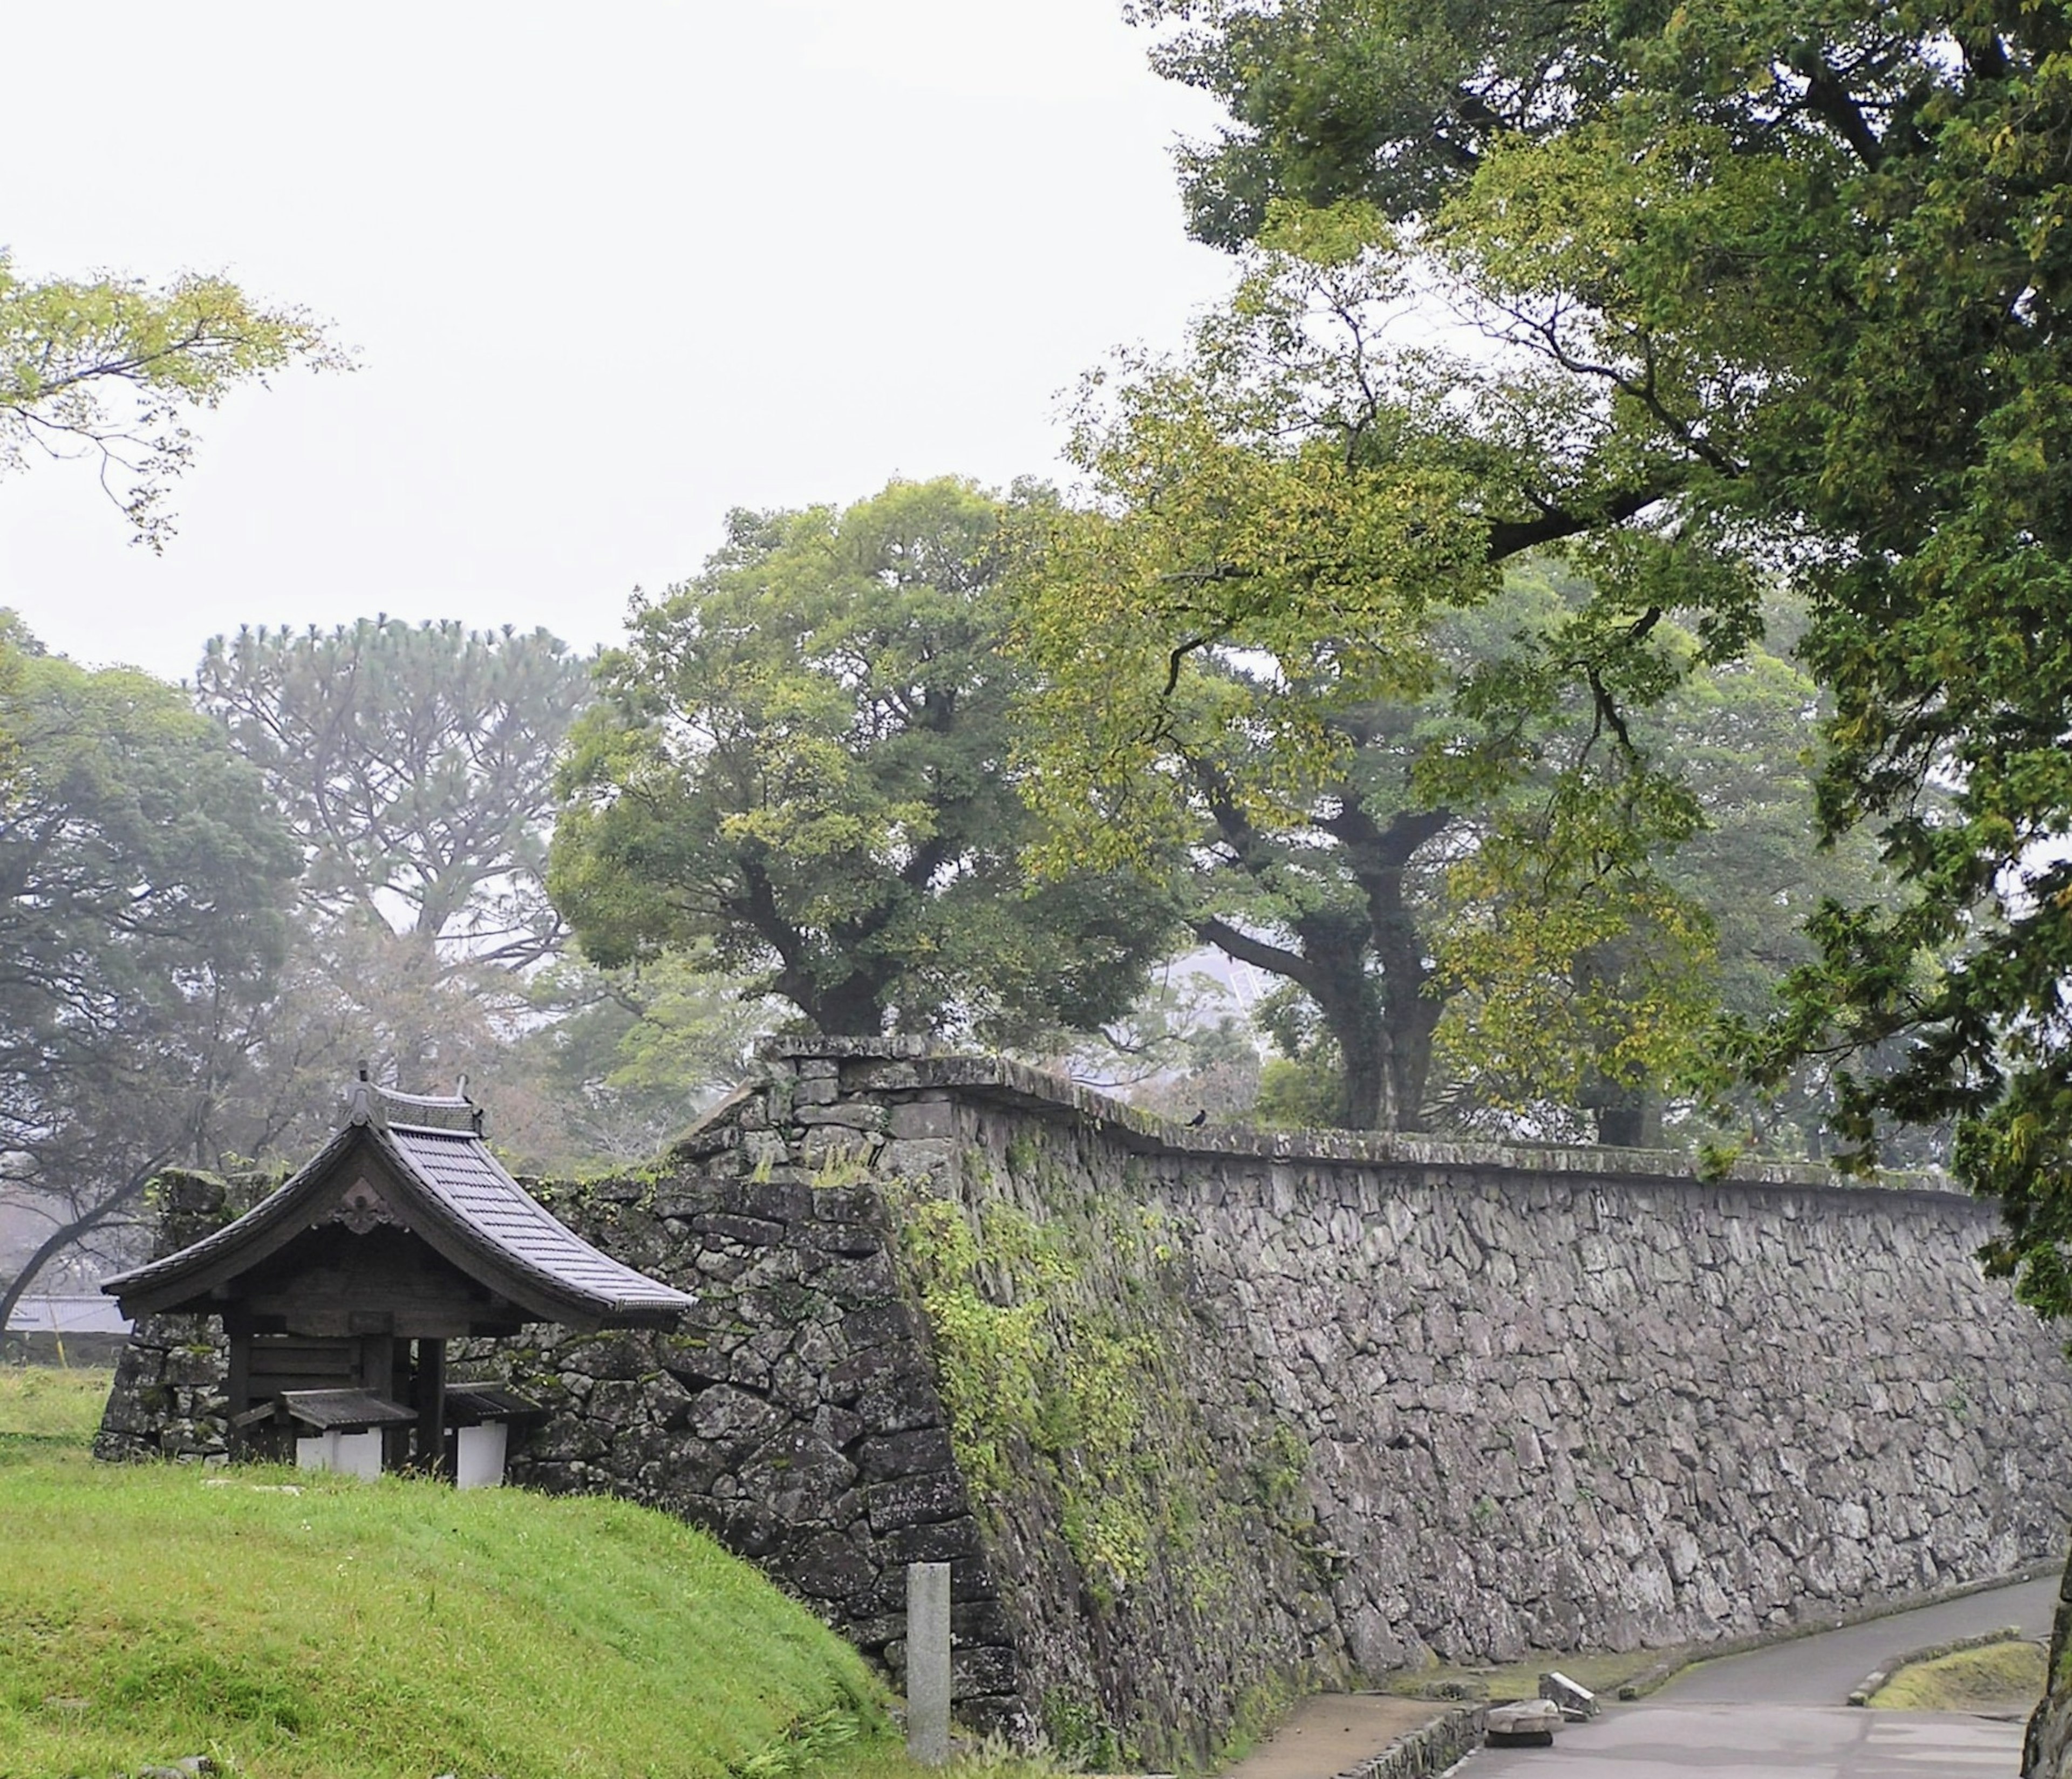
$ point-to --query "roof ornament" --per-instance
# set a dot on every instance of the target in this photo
(360, 1104)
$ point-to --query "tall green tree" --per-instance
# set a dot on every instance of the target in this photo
(802, 760)
(1809, 264)
(1263, 618)
(144, 879)
(111, 368)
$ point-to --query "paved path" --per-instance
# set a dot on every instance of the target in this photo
(1329, 1732)
(1821, 1670)
(1776, 1713)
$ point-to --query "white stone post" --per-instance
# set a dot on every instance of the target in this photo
(929, 1662)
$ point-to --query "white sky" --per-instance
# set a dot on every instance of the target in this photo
(609, 270)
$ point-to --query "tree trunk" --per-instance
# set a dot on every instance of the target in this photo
(853, 1007)
(61, 1238)
(1627, 1118)
(1354, 1015)
(1379, 857)
(1367, 1099)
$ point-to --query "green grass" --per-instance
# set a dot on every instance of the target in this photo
(47, 1406)
(2000, 1677)
(301, 1627)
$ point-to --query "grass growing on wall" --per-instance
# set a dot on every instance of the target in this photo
(319, 1628)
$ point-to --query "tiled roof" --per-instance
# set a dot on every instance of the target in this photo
(491, 1207)
(350, 1410)
(454, 1193)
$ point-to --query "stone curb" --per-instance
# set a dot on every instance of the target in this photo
(1426, 1752)
(1932, 1652)
(1661, 1673)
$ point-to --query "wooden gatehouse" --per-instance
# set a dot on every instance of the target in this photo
(340, 1292)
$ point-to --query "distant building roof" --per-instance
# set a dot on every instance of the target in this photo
(66, 1315)
(448, 1188)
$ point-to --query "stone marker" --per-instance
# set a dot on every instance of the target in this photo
(1530, 1724)
(1577, 1701)
(929, 1662)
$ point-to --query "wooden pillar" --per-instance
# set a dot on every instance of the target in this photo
(432, 1407)
(237, 1331)
(377, 1374)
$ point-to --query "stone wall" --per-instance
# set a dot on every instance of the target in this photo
(1200, 1418)
(169, 1399)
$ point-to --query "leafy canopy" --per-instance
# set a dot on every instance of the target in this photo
(109, 368)
(416, 763)
(802, 758)
(144, 876)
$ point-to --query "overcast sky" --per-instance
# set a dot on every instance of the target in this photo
(608, 270)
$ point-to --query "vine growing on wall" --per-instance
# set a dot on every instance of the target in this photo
(1047, 1362)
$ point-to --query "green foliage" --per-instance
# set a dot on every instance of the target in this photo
(146, 877)
(1032, 1371)
(800, 761)
(1061, 1347)
(416, 763)
(1997, 1677)
(1299, 1093)
(107, 368)
(626, 1058)
(49, 1406)
(1279, 636)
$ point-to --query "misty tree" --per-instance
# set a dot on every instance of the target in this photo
(144, 883)
(414, 763)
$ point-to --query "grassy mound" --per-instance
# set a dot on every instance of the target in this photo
(302, 1627)
(2001, 1678)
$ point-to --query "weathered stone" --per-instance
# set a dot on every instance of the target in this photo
(859, 1116)
(941, 1542)
(774, 1200)
(1530, 1722)
(830, 1567)
(918, 1158)
(751, 1232)
(902, 1454)
(730, 1418)
(984, 1669)
(834, 1148)
(798, 1476)
(915, 1500)
(1576, 1701)
(932, 1116)
(846, 1238)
